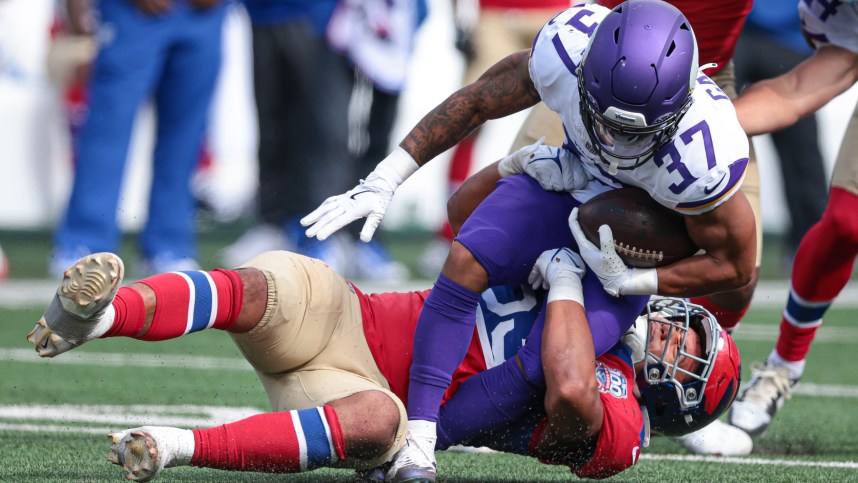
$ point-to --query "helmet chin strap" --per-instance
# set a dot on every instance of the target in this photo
(613, 166)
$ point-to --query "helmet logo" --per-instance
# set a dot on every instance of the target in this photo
(626, 119)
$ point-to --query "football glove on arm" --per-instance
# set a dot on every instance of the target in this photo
(560, 271)
(554, 168)
(617, 278)
(368, 199)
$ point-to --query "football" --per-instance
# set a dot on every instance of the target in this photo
(646, 234)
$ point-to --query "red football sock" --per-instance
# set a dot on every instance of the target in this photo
(794, 342)
(727, 319)
(824, 260)
(284, 442)
(822, 267)
(185, 302)
(460, 163)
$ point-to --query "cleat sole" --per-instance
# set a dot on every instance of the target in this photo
(90, 282)
(87, 289)
(136, 452)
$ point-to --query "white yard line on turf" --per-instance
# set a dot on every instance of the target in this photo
(112, 359)
(851, 465)
(101, 418)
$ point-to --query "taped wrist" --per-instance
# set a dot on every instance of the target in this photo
(641, 281)
(566, 287)
(393, 170)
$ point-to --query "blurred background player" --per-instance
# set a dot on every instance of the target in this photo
(169, 50)
(378, 38)
(302, 90)
(327, 78)
(487, 31)
(826, 255)
(771, 44)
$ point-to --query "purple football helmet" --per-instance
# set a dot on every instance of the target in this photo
(635, 81)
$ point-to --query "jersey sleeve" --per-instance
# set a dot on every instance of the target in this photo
(557, 51)
(830, 23)
(705, 163)
(619, 442)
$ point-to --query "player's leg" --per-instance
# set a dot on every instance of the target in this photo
(541, 121)
(360, 431)
(182, 100)
(324, 378)
(498, 244)
(90, 303)
(822, 267)
(123, 74)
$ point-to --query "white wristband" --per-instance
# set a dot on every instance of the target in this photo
(642, 281)
(394, 169)
(566, 288)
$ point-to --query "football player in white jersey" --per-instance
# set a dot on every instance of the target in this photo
(826, 255)
(636, 111)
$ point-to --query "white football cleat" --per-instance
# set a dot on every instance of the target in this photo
(144, 452)
(754, 409)
(414, 462)
(717, 438)
(82, 308)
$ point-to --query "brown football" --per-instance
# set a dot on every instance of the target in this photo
(646, 234)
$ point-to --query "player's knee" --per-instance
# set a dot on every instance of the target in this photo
(381, 434)
(254, 299)
(463, 268)
(370, 421)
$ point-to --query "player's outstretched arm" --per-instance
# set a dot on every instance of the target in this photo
(572, 400)
(779, 102)
(504, 89)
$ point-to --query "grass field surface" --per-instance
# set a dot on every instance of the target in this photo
(54, 414)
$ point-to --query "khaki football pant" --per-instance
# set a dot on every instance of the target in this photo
(309, 348)
(501, 32)
(846, 167)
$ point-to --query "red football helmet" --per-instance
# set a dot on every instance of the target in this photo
(677, 408)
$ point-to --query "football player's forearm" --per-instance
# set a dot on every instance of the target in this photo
(774, 104)
(728, 236)
(503, 90)
(572, 400)
(703, 275)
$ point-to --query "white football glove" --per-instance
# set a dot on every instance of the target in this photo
(560, 271)
(617, 278)
(635, 338)
(555, 169)
(368, 199)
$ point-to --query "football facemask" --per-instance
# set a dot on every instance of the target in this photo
(680, 400)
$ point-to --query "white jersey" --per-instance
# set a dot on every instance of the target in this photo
(830, 23)
(700, 168)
